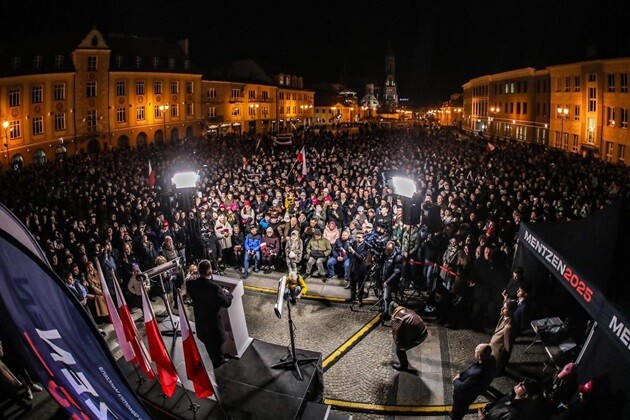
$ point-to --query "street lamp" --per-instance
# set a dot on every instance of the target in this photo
(5, 124)
(163, 109)
(493, 110)
(563, 113)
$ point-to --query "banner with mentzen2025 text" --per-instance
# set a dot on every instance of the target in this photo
(59, 342)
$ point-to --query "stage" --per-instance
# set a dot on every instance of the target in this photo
(248, 387)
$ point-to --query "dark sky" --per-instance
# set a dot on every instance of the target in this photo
(439, 45)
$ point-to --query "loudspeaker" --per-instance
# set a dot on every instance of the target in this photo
(412, 210)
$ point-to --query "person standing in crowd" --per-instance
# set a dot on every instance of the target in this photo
(358, 270)
(408, 330)
(391, 275)
(474, 380)
(252, 251)
(293, 251)
(295, 287)
(99, 305)
(207, 300)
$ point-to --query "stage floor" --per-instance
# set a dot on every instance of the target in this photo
(248, 388)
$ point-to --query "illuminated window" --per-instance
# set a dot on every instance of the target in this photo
(140, 113)
(121, 114)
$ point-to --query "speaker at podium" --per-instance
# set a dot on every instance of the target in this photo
(237, 337)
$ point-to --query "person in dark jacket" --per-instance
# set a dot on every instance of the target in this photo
(470, 383)
(408, 330)
(207, 300)
(520, 404)
(252, 251)
(391, 275)
(357, 253)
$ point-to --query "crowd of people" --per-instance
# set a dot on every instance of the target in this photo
(253, 209)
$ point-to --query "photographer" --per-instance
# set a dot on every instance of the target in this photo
(391, 275)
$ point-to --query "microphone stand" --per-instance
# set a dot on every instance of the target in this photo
(292, 361)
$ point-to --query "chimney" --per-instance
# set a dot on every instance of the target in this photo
(183, 43)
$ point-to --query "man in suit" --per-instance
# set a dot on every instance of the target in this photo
(470, 383)
(207, 300)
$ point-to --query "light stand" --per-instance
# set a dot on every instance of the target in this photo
(292, 361)
(157, 271)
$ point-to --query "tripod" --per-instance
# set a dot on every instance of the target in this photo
(292, 361)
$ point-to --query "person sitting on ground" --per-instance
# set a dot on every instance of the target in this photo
(295, 287)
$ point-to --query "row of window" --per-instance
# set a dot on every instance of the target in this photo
(121, 87)
(92, 62)
(562, 142)
(59, 91)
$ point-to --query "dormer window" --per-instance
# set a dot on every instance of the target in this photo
(156, 62)
(138, 62)
(16, 63)
(171, 63)
(59, 61)
(287, 80)
(38, 61)
(187, 64)
(118, 61)
(92, 63)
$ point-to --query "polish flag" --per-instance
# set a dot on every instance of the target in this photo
(490, 147)
(167, 374)
(151, 176)
(301, 157)
(195, 369)
(131, 336)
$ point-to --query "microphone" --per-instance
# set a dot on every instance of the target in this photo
(280, 296)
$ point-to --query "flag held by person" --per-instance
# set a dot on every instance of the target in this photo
(151, 176)
(301, 158)
(195, 370)
(167, 374)
(490, 147)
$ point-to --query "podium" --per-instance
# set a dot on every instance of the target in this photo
(237, 337)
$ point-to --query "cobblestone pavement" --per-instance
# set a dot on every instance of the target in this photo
(357, 350)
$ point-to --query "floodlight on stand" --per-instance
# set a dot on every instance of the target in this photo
(185, 179)
(404, 186)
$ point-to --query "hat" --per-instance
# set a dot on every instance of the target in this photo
(317, 231)
(566, 370)
(587, 387)
(234, 206)
(246, 203)
(327, 198)
(135, 267)
(532, 386)
(165, 224)
(392, 307)
(314, 200)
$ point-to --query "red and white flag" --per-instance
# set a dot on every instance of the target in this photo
(195, 370)
(301, 157)
(151, 176)
(490, 147)
(131, 336)
(167, 374)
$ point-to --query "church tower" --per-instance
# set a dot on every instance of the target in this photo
(390, 97)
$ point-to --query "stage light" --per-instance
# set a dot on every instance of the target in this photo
(185, 180)
(280, 296)
(404, 186)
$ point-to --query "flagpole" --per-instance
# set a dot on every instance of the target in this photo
(141, 379)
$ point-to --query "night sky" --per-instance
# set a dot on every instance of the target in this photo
(439, 45)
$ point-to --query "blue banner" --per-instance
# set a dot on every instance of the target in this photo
(60, 343)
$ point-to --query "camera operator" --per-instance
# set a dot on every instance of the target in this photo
(376, 248)
(212, 249)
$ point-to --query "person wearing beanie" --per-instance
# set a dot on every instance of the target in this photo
(318, 249)
(408, 331)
